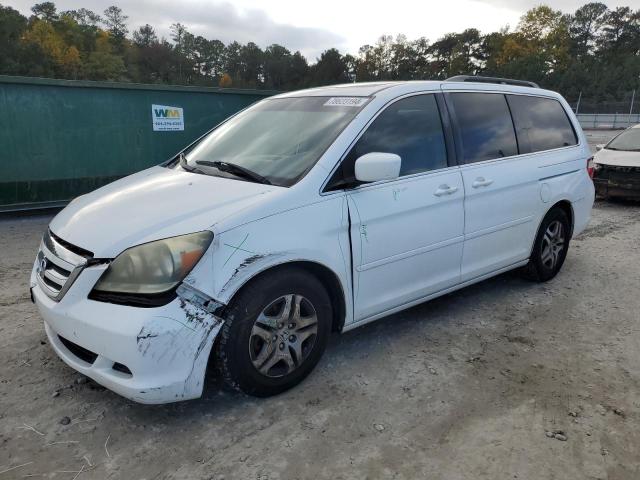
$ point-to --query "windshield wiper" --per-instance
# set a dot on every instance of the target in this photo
(236, 170)
(182, 160)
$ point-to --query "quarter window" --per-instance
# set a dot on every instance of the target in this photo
(541, 123)
(410, 128)
(485, 125)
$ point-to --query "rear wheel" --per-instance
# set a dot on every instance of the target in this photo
(550, 246)
(275, 332)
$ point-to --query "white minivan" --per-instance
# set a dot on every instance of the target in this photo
(308, 212)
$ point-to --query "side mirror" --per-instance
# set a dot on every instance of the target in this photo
(599, 147)
(376, 166)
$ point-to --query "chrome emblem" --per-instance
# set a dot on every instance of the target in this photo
(43, 265)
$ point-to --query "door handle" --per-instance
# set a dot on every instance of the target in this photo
(445, 190)
(481, 182)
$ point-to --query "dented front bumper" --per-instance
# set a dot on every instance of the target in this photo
(149, 355)
(617, 181)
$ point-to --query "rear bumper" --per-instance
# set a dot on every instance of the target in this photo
(148, 355)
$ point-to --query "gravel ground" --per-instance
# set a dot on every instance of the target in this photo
(504, 379)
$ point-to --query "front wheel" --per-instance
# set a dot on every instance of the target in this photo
(275, 332)
(550, 247)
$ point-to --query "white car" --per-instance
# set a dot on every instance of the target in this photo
(309, 212)
(617, 165)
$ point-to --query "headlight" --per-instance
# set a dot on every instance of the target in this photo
(154, 267)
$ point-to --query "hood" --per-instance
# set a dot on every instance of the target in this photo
(150, 205)
(617, 158)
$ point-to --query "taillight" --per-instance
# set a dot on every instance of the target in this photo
(590, 167)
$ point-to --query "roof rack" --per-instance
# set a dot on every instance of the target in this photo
(503, 81)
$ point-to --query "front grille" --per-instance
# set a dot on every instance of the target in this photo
(57, 266)
(80, 352)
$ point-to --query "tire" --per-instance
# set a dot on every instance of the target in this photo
(257, 313)
(549, 253)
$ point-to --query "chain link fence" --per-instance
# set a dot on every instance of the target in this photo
(607, 113)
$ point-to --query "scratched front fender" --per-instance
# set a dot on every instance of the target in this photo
(314, 234)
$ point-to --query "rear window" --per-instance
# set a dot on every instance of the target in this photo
(485, 125)
(541, 123)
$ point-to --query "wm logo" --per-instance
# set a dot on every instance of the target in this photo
(166, 113)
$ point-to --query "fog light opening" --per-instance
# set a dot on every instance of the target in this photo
(119, 367)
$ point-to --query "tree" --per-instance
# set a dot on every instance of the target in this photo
(225, 81)
(539, 48)
(103, 64)
(594, 50)
(232, 60)
(298, 72)
(182, 40)
(156, 63)
(251, 58)
(586, 25)
(490, 52)
(42, 34)
(443, 52)
(467, 55)
(330, 68)
(403, 59)
(421, 64)
(116, 23)
(71, 63)
(12, 26)
(84, 17)
(277, 62)
(366, 69)
(145, 36)
(212, 53)
(178, 34)
(382, 60)
(351, 63)
(620, 33)
(45, 11)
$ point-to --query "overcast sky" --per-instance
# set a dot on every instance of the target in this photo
(312, 27)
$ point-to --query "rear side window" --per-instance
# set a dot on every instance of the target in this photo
(410, 128)
(485, 126)
(541, 123)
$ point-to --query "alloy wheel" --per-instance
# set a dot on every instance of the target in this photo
(553, 243)
(283, 335)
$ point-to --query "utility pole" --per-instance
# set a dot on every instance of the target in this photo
(633, 97)
(578, 104)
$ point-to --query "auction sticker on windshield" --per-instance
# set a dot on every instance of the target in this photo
(166, 118)
(345, 102)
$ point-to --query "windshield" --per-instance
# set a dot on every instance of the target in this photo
(278, 139)
(629, 141)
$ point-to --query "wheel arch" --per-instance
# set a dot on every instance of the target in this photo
(567, 208)
(324, 274)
